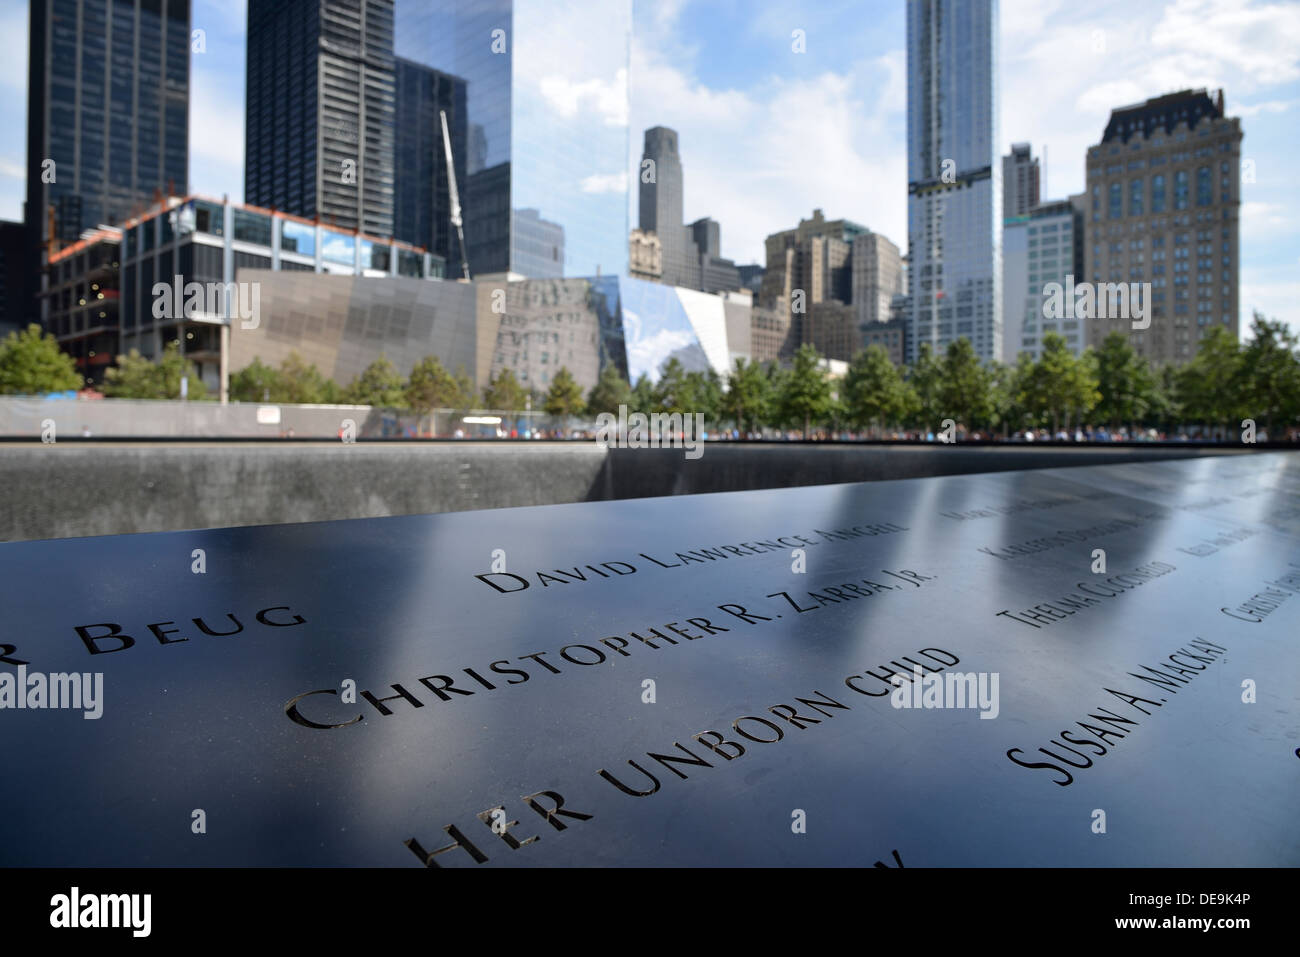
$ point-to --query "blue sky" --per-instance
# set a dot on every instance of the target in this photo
(767, 134)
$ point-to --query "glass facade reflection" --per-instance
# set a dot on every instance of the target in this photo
(578, 324)
(544, 185)
(422, 204)
(644, 325)
(108, 104)
(954, 201)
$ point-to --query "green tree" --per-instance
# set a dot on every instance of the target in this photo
(302, 383)
(643, 396)
(465, 392)
(926, 379)
(331, 393)
(32, 363)
(1166, 408)
(748, 395)
(806, 392)
(610, 391)
(137, 377)
(295, 381)
(431, 386)
(669, 391)
(964, 384)
(504, 392)
(1001, 380)
(564, 398)
(702, 392)
(379, 385)
(1209, 386)
(1270, 374)
(776, 378)
(1021, 412)
(874, 393)
(256, 382)
(1126, 382)
(1061, 387)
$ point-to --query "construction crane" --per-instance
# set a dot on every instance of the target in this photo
(455, 194)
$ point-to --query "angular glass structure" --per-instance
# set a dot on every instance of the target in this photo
(342, 323)
(544, 186)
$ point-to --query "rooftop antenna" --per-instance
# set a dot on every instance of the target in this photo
(455, 195)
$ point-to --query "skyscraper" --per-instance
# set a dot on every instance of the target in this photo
(546, 121)
(833, 280)
(690, 255)
(320, 116)
(1020, 181)
(17, 306)
(107, 112)
(661, 207)
(1039, 248)
(878, 277)
(716, 274)
(815, 259)
(421, 194)
(1163, 209)
(954, 188)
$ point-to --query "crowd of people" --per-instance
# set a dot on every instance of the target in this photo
(1079, 435)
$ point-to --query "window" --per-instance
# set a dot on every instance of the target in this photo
(297, 238)
(1204, 187)
(252, 227)
(1180, 189)
(338, 248)
(1135, 198)
(409, 264)
(1158, 193)
(1116, 200)
(209, 218)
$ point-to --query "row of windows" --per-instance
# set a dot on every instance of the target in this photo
(256, 229)
(1137, 193)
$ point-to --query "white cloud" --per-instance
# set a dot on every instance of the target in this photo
(605, 183)
(606, 99)
(1259, 41)
(759, 160)
(1265, 220)
(1273, 291)
(645, 354)
(1027, 19)
(1269, 106)
(337, 248)
(216, 133)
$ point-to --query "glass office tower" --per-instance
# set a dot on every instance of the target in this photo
(107, 111)
(320, 111)
(544, 187)
(421, 194)
(954, 203)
